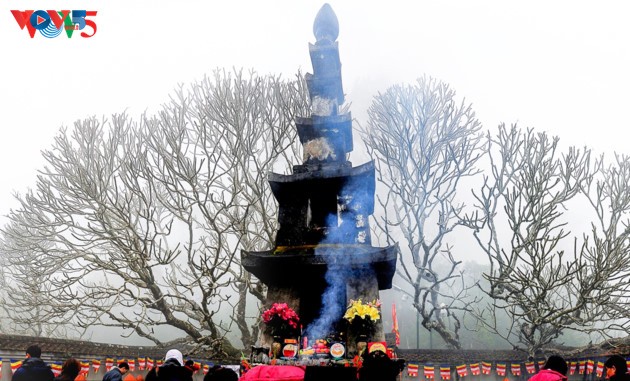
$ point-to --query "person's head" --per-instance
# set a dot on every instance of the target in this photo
(123, 366)
(192, 365)
(71, 367)
(33, 351)
(174, 355)
(556, 363)
(615, 365)
(221, 374)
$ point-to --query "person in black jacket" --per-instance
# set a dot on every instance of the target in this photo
(377, 366)
(219, 373)
(173, 369)
(617, 369)
(33, 368)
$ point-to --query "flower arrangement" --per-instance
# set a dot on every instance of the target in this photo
(281, 320)
(363, 316)
(358, 309)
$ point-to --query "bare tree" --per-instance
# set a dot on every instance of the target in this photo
(25, 275)
(139, 225)
(424, 144)
(545, 278)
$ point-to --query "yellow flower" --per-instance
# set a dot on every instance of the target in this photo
(357, 308)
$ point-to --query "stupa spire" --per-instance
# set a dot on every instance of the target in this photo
(326, 25)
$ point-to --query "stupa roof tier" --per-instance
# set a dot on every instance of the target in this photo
(302, 266)
(310, 198)
(340, 172)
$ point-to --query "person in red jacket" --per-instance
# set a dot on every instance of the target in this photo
(555, 369)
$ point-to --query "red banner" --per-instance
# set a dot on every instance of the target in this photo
(395, 324)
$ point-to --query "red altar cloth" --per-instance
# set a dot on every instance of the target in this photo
(274, 373)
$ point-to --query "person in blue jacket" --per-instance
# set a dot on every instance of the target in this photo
(116, 373)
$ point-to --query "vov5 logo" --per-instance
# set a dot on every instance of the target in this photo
(51, 23)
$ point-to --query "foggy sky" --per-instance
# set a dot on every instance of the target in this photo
(560, 66)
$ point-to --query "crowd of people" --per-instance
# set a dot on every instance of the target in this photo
(555, 369)
(172, 369)
(175, 369)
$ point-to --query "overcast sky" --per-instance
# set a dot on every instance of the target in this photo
(558, 66)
